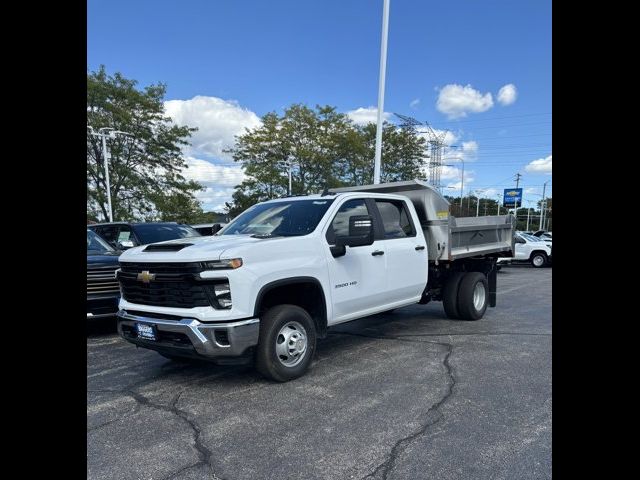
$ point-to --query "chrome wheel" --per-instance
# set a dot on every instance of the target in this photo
(538, 261)
(291, 344)
(479, 296)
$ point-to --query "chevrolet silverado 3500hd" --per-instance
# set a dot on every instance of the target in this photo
(274, 279)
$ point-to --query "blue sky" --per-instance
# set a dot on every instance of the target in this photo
(226, 63)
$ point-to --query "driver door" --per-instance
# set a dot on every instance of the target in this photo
(358, 278)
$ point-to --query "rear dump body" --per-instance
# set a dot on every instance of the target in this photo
(450, 238)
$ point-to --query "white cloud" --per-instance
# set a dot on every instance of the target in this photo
(457, 101)
(414, 103)
(470, 148)
(218, 121)
(507, 94)
(531, 190)
(363, 116)
(213, 198)
(542, 165)
(219, 182)
(205, 172)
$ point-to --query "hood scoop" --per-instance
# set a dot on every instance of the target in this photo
(168, 247)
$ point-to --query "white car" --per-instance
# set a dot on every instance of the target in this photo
(530, 249)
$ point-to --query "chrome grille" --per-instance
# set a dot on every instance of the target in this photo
(102, 280)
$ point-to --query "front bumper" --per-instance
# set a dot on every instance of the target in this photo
(192, 338)
(101, 306)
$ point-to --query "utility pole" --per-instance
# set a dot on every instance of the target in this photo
(383, 72)
(515, 209)
(528, 212)
(499, 195)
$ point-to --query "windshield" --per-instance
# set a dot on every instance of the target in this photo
(279, 219)
(96, 245)
(530, 238)
(154, 232)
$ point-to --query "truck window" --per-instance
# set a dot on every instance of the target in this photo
(340, 224)
(395, 219)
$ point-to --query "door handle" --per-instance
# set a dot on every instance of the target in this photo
(377, 252)
(420, 247)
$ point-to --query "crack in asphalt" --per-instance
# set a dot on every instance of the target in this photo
(203, 452)
(385, 467)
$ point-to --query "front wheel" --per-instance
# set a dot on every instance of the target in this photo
(538, 260)
(286, 343)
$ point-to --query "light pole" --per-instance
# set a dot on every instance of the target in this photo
(499, 195)
(528, 212)
(478, 202)
(543, 207)
(461, 183)
(383, 72)
(105, 132)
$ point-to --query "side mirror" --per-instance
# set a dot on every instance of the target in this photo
(360, 232)
(216, 228)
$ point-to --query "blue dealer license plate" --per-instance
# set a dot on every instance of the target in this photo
(146, 332)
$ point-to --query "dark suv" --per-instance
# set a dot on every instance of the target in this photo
(103, 290)
(123, 235)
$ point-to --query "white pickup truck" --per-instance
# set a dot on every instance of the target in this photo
(272, 281)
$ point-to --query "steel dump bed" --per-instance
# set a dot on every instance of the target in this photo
(450, 238)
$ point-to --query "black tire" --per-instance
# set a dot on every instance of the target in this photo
(450, 295)
(467, 309)
(268, 362)
(540, 258)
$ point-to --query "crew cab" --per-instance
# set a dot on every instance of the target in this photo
(279, 275)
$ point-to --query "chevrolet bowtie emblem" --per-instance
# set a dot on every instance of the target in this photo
(146, 277)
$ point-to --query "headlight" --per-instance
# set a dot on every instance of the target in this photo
(227, 264)
(223, 294)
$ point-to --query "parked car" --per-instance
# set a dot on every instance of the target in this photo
(124, 235)
(208, 228)
(273, 281)
(103, 290)
(529, 249)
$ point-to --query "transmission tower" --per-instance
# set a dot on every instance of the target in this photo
(436, 147)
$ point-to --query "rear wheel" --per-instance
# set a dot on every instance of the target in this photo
(538, 259)
(473, 296)
(287, 343)
(450, 295)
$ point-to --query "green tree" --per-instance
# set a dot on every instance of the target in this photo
(325, 150)
(144, 169)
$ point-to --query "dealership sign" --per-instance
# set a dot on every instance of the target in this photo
(512, 197)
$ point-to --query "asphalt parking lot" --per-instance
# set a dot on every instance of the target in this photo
(403, 395)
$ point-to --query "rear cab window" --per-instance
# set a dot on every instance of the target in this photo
(396, 219)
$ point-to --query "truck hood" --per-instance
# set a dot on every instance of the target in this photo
(204, 248)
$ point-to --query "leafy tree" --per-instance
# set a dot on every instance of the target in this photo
(325, 150)
(145, 168)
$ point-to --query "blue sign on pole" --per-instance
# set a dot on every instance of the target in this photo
(512, 197)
